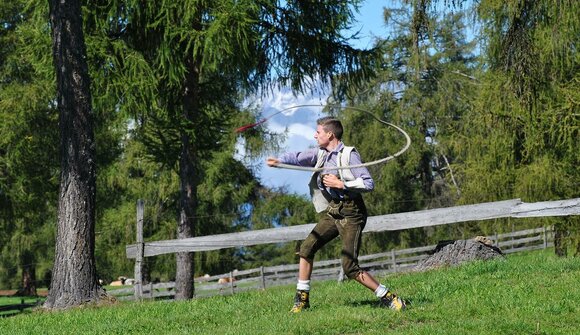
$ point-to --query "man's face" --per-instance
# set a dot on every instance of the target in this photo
(322, 137)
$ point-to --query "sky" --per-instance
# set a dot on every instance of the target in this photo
(301, 122)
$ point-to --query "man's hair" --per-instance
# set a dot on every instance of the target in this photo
(331, 124)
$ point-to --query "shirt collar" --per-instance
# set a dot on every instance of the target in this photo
(336, 149)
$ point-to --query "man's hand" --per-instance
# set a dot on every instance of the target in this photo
(272, 162)
(332, 181)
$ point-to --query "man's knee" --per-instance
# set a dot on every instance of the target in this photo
(307, 250)
(307, 255)
(351, 269)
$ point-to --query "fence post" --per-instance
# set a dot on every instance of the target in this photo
(513, 230)
(263, 279)
(341, 275)
(545, 237)
(394, 260)
(140, 247)
(232, 282)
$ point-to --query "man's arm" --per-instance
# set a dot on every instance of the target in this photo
(363, 181)
(300, 158)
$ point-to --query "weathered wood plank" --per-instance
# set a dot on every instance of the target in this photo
(529, 248)
(426, 218)
(547, 208)
(214, 242)
(439, 216)
(520, 241)
(519, 233)
(281, 268)
(415, 250)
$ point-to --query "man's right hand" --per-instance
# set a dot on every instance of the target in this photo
(272, 162)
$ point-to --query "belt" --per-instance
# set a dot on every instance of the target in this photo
(347, 196)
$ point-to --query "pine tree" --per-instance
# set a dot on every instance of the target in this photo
(424, 86)
(520, 138)
(74, 276)
(28, 150)
(203, 55)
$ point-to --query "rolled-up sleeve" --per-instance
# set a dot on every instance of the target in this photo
(363, 181)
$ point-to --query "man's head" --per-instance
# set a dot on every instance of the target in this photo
(332, 125)
(328, 132)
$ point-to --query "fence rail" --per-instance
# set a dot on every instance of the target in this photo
(380, 264)
(9, 310)
(485, 211)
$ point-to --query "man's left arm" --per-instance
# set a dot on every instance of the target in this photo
(363, 181)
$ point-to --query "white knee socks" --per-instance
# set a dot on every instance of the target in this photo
(303, 285)
(381, 291)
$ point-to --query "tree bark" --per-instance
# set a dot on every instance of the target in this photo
(74, 279)
(188, 175)
(28, 288)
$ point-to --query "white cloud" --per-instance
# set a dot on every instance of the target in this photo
(284, 100)
(294, 130)
(301, 130)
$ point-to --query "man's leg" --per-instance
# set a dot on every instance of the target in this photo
(302, 297)
(304, 269)
(322, 233)
(367, 280)
(351, 228)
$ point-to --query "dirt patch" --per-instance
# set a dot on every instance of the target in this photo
(453, 253)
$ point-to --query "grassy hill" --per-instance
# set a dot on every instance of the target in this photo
(531, 293)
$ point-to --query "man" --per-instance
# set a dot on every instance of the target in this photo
(336, 194)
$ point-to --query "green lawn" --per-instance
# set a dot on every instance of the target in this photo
(6, 301)
(532, 293)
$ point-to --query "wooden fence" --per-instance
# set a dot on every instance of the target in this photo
(514, 208)
(9, 310)
(380, 264)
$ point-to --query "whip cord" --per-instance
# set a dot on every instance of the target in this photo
(312, 169)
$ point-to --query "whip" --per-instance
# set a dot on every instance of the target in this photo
(312, 169)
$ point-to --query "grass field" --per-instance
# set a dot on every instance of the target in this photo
(531, 293)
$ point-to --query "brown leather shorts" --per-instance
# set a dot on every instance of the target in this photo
(346, 218)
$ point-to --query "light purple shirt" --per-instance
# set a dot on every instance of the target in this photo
(309, 157)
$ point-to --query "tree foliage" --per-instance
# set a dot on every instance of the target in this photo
(201, 56)
(28, 149)
(499, 126)
(170, 80)
(424, 85)
(520, 138)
